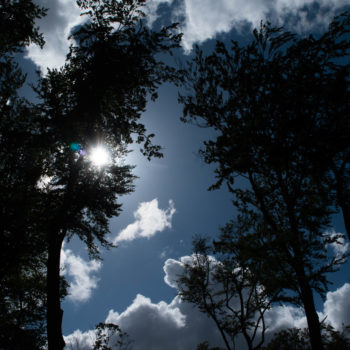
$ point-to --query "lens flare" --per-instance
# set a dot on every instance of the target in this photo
(74, 146)
(99, 156)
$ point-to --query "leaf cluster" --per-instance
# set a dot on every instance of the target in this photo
(109, 336)
(280, 107)
(298, 339)
(22, 247)
(17, 25)
(98, 97)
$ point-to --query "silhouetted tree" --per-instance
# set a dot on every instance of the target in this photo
(96, 98)
(22, 248)
(298, 339)
(223, 287)
(273, 106)
(109, 336)
(17, 25)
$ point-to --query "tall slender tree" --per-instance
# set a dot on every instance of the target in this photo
(271, 106)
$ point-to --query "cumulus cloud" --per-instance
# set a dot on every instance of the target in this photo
(157, 326)
(149, 219)
(179, 325)
(283, 317)
(79, 340)
(61, 17)
(80, 274)
(173, 269)
(337, 306)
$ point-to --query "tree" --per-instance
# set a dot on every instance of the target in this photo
(22, 252)
(109, 336)
(223, 287)
(334, 339)
(96, 98)
(17, 25)
(290, 339)
(298, 339)
(271, 106)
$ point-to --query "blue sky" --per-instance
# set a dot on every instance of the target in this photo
(134, 284)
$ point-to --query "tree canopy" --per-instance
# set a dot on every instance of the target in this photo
(22, 252)
(280, 106)
(223, 286)
(95, 99)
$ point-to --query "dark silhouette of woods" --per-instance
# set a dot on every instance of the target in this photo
(298, 339)
(97, 97)
(280, 107)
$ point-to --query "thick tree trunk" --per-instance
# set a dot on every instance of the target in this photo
(54, 311)
(310, 311)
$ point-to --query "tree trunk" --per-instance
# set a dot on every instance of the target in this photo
(54, 311)
(310, 310)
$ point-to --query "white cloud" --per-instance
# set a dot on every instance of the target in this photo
(337, 306)
(173, 269)
(282, 317)
(79, 340)
(61, 17)
(178, 325)
(158, 326)
(79, 273)
(149, 219)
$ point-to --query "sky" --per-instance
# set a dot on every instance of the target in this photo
(135, 284)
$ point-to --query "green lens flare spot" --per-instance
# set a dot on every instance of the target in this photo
(74, 146)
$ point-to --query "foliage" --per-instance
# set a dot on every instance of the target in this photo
(109, 336)
(223, 287)
(17, 25)
(298, 339)
(273, 104)
(283, 100)
(52, 192)
(97, 97)
(22, 251)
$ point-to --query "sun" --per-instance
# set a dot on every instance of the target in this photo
(99, 156)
